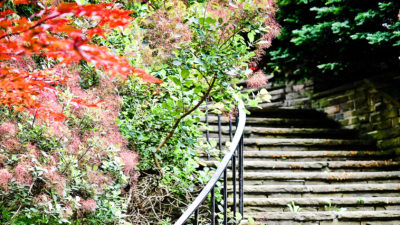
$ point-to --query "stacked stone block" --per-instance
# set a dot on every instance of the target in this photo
(367, 108)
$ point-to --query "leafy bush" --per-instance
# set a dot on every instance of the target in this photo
(81, 170)
(62, 158)
(199, 50)
(343, 38)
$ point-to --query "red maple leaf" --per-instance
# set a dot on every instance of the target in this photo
(54, 37)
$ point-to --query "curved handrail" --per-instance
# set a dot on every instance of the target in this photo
(221, 168)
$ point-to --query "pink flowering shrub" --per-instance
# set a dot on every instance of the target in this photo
(259, 13)
(83, 157)
(88, 205)
(8, 129)
(22, 175)
(259, 18)
(166, 30)
(5, 178)
(257, 79)
(130, 160)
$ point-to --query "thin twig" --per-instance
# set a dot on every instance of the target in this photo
(30, 28)
(16, 213)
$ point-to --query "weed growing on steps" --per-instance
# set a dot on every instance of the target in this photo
(293, 207)
(331, 207)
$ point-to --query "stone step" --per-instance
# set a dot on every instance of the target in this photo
(294, 148)
(276, 132)
(331, 188)
(279, 103)
(278, 122)
(321, 176)
(316, 182)
(321, 201)
(333, 222)
(311, 148)
(265, 166)
(307, 156)
(324, 208)
(358, 190)
(325, 216)
(305, 142)
(290, 113)
(310, 143)
(312, 155)
(268, 105)
(324, 195)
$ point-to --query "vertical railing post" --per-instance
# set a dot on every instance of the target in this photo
(241, 191)
(233, 159)
(196, 217)
(225, 199)
(219, 136)
(234, 174)
(213, 206)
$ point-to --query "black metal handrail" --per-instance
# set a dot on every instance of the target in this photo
(236, 146)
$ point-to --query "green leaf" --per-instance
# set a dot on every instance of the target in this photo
(197, 89)
(185, 73)
(251, 220)
(238, 216)
(251, 36)
(80, 2)
(162, 73)
(210, 20)
(175, 80)
(188, 83)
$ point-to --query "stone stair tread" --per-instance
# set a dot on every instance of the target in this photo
(328, 176)
(267, 120)
(320, 201)
(281, 130)
(249, 120)
(330, 188)
(319, 164)
(328, 215)
(311, 165)
(267, 105)
(304, 141)
(306, 154)
(288, 112)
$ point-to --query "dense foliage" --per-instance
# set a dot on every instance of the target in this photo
(199, 49)
(74, 166)
(326, 38)
(62, 158)
(61, 35)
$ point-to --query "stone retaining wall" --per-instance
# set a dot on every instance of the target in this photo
(371, 106)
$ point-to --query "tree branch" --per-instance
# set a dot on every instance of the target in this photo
(171, 133)
(32, 27)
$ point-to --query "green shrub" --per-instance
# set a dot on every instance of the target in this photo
(348, 39)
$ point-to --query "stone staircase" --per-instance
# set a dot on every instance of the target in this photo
(302, 168)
